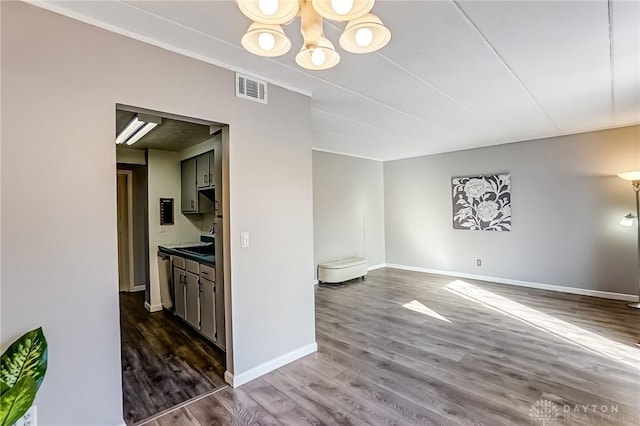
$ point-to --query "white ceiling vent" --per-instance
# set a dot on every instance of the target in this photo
(251, 88)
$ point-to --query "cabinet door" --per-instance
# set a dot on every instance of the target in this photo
(188, 186)
(203, 173)
(216, 171)
(208, 309)
(193, 299)
(219, 295)
(179, 297)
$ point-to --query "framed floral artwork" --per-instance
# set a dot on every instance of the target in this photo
(482, 203)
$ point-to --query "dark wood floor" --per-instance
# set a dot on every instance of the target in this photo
(164, 362)
(413, 348)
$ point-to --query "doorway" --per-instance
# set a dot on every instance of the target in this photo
(169, 358)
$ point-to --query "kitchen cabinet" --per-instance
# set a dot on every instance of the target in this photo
(197, 299)
(205, 170)
(179, 288)
(208, 308)
(192, 299)
(189, 187)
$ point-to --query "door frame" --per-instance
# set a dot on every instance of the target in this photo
(129, 176)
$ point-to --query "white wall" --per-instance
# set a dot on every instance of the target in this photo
(165, 182)
(70, 76)
(566, 202)
(348, 208)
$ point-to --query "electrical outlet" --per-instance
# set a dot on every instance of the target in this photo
(479, 262)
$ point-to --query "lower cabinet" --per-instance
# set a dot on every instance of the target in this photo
(193, 300)
(196, 298)
(208, 308)
(179, 287)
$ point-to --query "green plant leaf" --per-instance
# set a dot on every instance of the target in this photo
(17, 400)
(3, 387)
(27, 356)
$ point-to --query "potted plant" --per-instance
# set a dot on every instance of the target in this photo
(22, 369)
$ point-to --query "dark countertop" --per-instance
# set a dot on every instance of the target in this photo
(207, 259)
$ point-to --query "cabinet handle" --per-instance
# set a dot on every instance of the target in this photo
(205, 178)
(192, 202)
(210, 178)
(205, 273)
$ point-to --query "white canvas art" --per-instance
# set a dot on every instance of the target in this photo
(482, 203)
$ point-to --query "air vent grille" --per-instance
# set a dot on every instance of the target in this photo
(251, 88)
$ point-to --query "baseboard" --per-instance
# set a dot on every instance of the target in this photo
(378, 266)
(262, 369)
(519, 283)
(154, 308)
(137, 288)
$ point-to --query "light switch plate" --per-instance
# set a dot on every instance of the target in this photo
(244, 240)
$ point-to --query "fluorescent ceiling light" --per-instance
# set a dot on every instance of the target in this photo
(131, 128)
(137, 128)
(140, 133)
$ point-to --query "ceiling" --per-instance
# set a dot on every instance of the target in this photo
(456, 74)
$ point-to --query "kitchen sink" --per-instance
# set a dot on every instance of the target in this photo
(208, 249)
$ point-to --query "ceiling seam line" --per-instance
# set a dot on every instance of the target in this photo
(346, 136)
(495, 51)
(347, 119)
(425, 82)
(294, 69)
(611, 59)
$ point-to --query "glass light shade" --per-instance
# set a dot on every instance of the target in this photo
(632, 176)
(355, 35)
(310, 58)
(627, 220)
(266, 40)
(268, 7)
(325, 8)
(342, 7)
(273, 12)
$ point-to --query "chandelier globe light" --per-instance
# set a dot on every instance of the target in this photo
(365, 35)
(320, 57)
(274, 12)
(364, 32)
(267, 40)
(342, 10)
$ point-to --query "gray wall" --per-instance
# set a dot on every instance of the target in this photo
(140, 225)
(59, 199)
(567, 203)
(348, 208)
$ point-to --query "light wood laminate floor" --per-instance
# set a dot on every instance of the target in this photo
(412, 348)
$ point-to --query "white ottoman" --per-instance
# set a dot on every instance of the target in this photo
(342, 270)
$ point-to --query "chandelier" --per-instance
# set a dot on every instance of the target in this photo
(364, 33)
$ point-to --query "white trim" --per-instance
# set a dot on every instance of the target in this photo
(154, 308)
(529, 284)
(52, 7)
(139, 287)
(378, 266)
(347, 155)
(262, 369)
